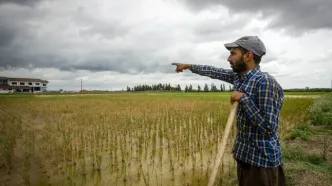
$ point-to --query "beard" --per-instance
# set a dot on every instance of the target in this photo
(239, 66)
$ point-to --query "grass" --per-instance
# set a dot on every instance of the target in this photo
(298, 160)
(9, 130)
(306, 93)
(296, 153)
(321, 111)
(309, 156)
(131, 138)
(302, 131)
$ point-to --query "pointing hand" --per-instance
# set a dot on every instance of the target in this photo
(180, 67)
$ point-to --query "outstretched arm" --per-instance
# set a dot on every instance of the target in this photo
(226, 75)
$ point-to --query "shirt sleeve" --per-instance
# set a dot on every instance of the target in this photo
(226, 75)
(264, 115)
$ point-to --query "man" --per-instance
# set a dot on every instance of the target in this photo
(256, 148)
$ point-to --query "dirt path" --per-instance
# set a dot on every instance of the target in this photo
(309, 162)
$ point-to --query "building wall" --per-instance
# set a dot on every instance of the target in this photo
(43, 86)
(3, 81)
(26, 83)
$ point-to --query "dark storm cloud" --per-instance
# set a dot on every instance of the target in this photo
(216, 29)
(92, 25)
(22, 47)
(6, 35)
(295, 15)
(15, 33)
(76, 38)
(21, 2)
(118, 61)
(12, 24)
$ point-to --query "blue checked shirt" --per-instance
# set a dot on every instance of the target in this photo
(256, 141)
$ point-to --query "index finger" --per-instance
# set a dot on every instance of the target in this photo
(175, 63)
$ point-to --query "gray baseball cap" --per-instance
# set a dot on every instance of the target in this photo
(250, 43)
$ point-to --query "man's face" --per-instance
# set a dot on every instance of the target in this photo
(236, 60)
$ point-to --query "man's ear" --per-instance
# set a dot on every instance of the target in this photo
(249, 56)
(246, 57)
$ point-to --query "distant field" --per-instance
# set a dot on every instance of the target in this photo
(120, 138)
(306, 93)
(163, 94)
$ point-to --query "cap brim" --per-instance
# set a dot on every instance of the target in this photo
(231, 45)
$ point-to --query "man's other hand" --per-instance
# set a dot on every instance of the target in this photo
(236, 95)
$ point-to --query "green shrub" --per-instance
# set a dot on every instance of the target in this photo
(296, 153)
(320, 112)
(302, 131)
(316, 159)
(293, 153)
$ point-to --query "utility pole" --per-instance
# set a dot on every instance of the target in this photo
(81, 84)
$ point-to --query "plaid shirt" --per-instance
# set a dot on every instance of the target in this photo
(256, 141)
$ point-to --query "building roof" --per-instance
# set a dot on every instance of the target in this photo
(27, 79)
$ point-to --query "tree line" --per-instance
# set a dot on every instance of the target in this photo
(187, 88)
(207, 88)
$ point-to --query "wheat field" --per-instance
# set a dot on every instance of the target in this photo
(120, 139)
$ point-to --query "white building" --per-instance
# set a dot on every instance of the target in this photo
(23, 84)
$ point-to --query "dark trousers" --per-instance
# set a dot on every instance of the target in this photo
(249, 175)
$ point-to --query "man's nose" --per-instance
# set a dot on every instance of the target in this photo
(229, 58)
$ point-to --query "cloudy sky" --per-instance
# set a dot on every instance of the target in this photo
(111, 44)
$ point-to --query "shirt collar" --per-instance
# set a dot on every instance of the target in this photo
(249, 74)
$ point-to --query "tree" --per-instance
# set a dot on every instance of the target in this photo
(190, 89)
(198, 88)
(213, 88)
(168, 86)
(206, 88)
(186, 89)
(179, 88)
(222, 87)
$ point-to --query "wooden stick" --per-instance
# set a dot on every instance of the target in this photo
(222, 146)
